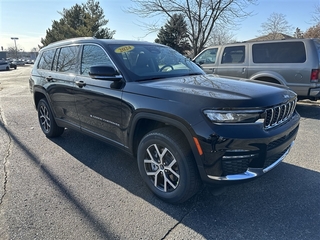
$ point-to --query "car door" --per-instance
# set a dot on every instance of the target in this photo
(98, 104)
(207, 59)
(233, 62)
(57, 67)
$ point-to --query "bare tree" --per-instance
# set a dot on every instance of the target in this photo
(275, 25)
(12, 52)
(313, 32)
(316, 14)
(200, 15)
(221, 35)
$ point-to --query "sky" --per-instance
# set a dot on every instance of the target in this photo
(28, 20)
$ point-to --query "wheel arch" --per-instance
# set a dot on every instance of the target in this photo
(271, 77)
(143, 123)
(38, 94)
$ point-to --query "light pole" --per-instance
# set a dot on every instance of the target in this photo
(15, 44)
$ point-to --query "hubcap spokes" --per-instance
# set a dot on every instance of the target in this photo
(44, 119)
(162, 168)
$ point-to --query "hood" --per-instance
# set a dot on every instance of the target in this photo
(210, 90)
(223, 91)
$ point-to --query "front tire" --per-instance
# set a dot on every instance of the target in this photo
(167, 165)
(47, 123)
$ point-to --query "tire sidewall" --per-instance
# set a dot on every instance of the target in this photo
(44, 103)
(158, 138)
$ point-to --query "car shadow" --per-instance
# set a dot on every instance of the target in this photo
(283, 204)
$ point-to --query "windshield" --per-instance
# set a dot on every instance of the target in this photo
(152, 61)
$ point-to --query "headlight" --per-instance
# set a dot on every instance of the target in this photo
(229, 116)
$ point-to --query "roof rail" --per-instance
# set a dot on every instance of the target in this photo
(71, 39)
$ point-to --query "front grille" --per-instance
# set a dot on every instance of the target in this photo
(279, 114)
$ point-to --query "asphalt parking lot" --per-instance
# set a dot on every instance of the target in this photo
(75, 187)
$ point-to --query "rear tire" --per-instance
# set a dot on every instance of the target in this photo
(47, 123)
(166, 164)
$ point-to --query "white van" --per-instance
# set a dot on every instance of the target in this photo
(294, 63)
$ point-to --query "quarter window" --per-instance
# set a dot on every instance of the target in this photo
(283, 52)
(46, 60)
(93, 55)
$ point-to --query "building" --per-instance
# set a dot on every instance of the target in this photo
(3, 55)
(271, 36)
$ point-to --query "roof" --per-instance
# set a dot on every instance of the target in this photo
(93, 40)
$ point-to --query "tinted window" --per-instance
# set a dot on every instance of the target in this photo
(67, 61)
(282, 52)
(233, 54)
(93, 55)
(46, 59)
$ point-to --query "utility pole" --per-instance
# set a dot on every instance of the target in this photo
(15, 44)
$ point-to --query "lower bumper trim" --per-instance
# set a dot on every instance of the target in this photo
(251, 172)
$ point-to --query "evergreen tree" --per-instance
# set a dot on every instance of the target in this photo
(86, 20)
(298, 33)
(174, 34)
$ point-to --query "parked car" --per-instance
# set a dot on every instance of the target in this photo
(293, 63)
(12, 65)
(19, 62)
(184, 127)
(4, 65)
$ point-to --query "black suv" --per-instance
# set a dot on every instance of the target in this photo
(183, 126)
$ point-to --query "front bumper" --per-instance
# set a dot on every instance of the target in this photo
(251, 172)
(230, 160)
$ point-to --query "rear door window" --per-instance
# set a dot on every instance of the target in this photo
(233, 55)
(67, 61)
(280, 52)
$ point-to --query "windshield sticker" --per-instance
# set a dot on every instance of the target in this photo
(124, 49)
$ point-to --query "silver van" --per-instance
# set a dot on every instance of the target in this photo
(294, 63)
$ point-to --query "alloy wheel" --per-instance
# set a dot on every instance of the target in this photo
(44, 118)
(162, 168)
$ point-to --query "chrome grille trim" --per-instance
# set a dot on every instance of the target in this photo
(277, 115)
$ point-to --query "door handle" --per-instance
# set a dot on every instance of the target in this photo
(244, 70)
(81, 84)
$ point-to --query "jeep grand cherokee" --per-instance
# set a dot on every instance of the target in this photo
(184, 127)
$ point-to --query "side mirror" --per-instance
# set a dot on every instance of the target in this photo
(104, 73)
